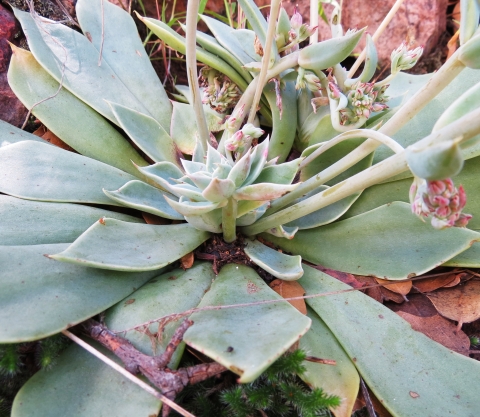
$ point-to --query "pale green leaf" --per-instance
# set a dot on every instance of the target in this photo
(10, 134)
(113, 31)
(247, 339)
(409, 373)
(83, 386)
(121, 246)
(144, 197)
(388, 242)
(280, 265)
(38, 171)
(469, 258)
(77, 124)
(341, 379)
(26, 222)
(173, 292)
(42, 296)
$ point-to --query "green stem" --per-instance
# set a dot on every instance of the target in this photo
(466, 127)
(229, 218)
(413, 106)
(191, 58)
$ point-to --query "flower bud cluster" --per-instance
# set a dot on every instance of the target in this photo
(288, 41)
(307, 79)
(363, 99)
(237, 142)
(220, 93)
(442, 200)
(403, 59)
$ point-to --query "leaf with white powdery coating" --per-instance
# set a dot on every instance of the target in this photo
(257, 334)
(121, 246)
(44, 297)
(364, 244)
(418, 376)
(38, 171)
(26, 222)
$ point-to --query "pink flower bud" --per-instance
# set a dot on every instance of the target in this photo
(296, 20)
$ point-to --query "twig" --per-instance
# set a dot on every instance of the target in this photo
(128, 375)
(65, 12)
(320, 360)
(368, 400)
(103, 34)
(177, 316)
(375, 36)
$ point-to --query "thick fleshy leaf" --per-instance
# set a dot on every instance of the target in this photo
(409, 373)
(70, 57)
(193, 208)
(263, 192)
(324, 215)
(121, 246)
(144, 197)
(252, 216)
(187, 191)
(147, 133)
(162, 174)
(173, 292)
(388, 242)
(37, 171)
(77, 124)
(26, 222)
(210, 222)
(342, 379)
(259, 158)
(10, 134)
(223, 34)
(422, 124)
(280, 265)
(279, 174)
(246, 38)
(248, 339)
(43, 296)
(184, 127)
(219, 190)
(283, 231)
(467, 259)
(83, 386)
(113, 31)
(239, 172)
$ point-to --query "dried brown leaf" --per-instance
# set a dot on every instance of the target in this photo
(345, 277)
(50, 137)
(402, 288)
(186, 261)
(418, 305)
(152, 219)
(433, 283)
(287, 289)
(440, 330)
(461, 303)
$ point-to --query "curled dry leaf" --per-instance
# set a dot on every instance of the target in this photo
(50, 137)
(461, 303)
(402, 288)
(186, 261)
(440, 330)
(433, 283)
(378, 292)
(152, 219)
(288, 289)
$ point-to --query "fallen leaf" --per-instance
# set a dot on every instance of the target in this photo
(378, 292)
(440, 330)
(461, 303)
(152, 219)
(50, 137)
(452, 44)
(287, 289)
(454, 282)
(345, 277)
(433, 283)
(402, 288)
(186, 261)
(418, 305)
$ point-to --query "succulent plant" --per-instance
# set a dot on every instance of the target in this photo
(69, 253)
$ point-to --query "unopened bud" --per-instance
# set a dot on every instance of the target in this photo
(296, 20)
(404, 59)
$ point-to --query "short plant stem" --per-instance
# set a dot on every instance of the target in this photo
(376, 36)
(267, 50)
(191, 59)
(229, 220)
(466, 127)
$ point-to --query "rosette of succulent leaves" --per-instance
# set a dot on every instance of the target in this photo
(69, 252)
